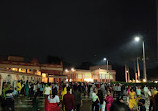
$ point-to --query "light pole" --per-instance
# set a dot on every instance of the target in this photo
(137, 39)
(107, 62)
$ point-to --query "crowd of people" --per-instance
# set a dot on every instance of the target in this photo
(69, 95)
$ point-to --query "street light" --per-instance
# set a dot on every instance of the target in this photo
(107, 62)
(105, 59)
(66, 70)
(137, 39)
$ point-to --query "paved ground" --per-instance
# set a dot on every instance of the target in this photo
(25, 104)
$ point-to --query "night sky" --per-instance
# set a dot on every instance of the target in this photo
(78, 31)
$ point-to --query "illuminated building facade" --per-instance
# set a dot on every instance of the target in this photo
(94, 74)
(14, 69)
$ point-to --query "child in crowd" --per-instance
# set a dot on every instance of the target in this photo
(142, 105)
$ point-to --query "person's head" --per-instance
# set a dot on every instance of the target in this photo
(109, 93)
(75, 87)
(68, 89)
(95, 90)
(119, 106)
(131, 89)
(100, 93)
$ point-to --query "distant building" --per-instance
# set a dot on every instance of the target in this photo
(14, 69)
(94, 74)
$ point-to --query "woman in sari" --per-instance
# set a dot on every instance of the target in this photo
(26, 88)
(109, 100)
(52, 102)
(132, 100)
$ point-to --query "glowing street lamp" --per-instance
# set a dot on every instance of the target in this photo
(72, 69)
(66, 70)
(104, 59)
(107, 62)
(137, 39)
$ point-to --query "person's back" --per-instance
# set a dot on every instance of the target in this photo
(119, 106)
(77, 98)
(68, 100)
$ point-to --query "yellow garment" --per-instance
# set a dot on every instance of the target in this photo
(132, 100)
(19, 87)
(64, 92)
(155, 92)
(51, 89)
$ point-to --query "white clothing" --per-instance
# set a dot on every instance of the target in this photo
(103, 106)
(94, 97)
(54, 100)
(146, 89)
(138, 91)
(118, 88)
(47, 90)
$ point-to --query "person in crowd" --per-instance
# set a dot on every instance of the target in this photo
(77, 97)
(92, 90)
(119, 106)
(41, 88)
(35, 102)
(26, 88)
(23, 88)
(147, 95)
(68, 101)
(4, 89)
(95, 100)
(47, 90)
(31, 93)
(138, 91)
(128, 90)
(60, 89)
(109, 100)
(54, 89)
(18, 85)
(101, 98)
(15, 93)
(132, 100)
(53, 102)
(9, 103)
(35, 87)
(156, 102)
(142, 105)
(118, 90)
(64, 91)
(152, 99)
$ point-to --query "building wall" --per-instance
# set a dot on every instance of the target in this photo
(99, 75)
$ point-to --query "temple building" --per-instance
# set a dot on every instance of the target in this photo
(94, 74)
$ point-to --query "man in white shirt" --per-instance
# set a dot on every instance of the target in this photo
(47, 90)
(138, 91)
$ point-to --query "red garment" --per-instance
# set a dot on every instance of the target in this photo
(51, 106)
(109, 101)
(68, 101)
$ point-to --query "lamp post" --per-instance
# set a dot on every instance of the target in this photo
(137, 39)
(107, 62)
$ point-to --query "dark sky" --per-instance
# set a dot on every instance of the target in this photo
(78, 30)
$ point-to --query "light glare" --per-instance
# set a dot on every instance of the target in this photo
(137, 39)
